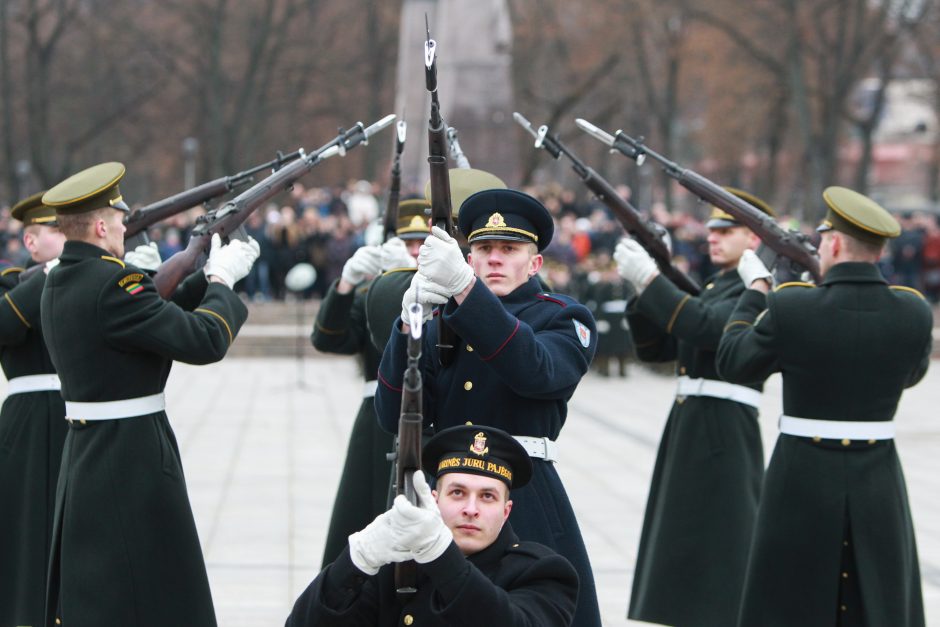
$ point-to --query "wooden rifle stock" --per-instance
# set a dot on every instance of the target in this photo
(790, 244)
(227, 219)
(408, 454)
(649, 234)
(441, 205)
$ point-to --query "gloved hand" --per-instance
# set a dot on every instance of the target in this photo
(426, 293)
(395, 255)
(420, 529)
(364, 264)
(52, 263)
(634, 264)
(231, 262)
(145, 257)
(751, 268)
(374, 546)
(441, 260)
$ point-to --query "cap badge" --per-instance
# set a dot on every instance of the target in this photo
(496, 220)
(479, 446)
(417, 223)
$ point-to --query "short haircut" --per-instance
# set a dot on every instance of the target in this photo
(860, 248)
(78, 225)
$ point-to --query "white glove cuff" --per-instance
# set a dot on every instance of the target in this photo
(357, 554)
(222, 274)
(436, 548)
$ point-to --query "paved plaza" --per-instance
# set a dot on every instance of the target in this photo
(263, 442)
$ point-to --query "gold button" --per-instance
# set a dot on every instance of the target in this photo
(846, 441)
(709, 286)
(468, 423)
(845, 575)
(682, 370)
(843, 608)
(82, 421)
(469, 348)
(58, 621)
(468, 385)
(816, 438)
(515, 545)
(409, 619)
(872, 441)
(845, 543)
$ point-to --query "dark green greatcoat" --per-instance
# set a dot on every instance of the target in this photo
(383, 304)
(125, 549)
(846, 350)
(706, 482)
(32, 432)
(363, 490)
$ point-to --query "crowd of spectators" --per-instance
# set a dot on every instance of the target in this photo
(323, 226)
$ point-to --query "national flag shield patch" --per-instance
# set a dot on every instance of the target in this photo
(584, 333)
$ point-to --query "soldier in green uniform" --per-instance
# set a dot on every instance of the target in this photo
(32, 425)
(833, 542)
(340, 328)
(472, 569)
(124, 544)
(706, 482)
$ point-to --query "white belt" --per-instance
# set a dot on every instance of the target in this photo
(369, 388)
(33, 383)
(837, 429)
(112, 410)
(542, 448)
(718, 389)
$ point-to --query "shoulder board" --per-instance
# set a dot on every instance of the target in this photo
(113, 260)
(11, 270)
(558, 299)
(532, 549)
(794, 284)
(904, 288)
(393, 270)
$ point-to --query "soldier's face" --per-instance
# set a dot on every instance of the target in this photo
(503, 265)
(474, 508)
(114, 232)
(43, 242)
(725, 246)
(413, 246)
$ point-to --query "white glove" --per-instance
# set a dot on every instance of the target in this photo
(374, 546)
(426, 293)
(395, 255)
(634, 264)
(421, 530)
(231, 262)
(145, 257)
(364, 264)
(751, 268)
(52, 263)
(441, 260)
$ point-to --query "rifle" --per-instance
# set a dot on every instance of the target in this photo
(227, 219)
(455, 151)
(790, 244)
(138, 221)
(408, 453)
(649, 234)
(441, 206)
(390, 222)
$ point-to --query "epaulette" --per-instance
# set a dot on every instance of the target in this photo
(11, 270)
(794, 284)
(904, 288)
(114, 260)
(399, 270)
(531, 549)
(554, 298)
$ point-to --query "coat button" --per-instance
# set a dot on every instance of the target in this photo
(469, 348)
(58, 621)
(843, 608)
(872, 441)
(82, 421)
(816, 438)
(468, 385)
(710, 286)
(845, 575)
(846, 441)
(682, 370)
(408, 619)
(468, 423)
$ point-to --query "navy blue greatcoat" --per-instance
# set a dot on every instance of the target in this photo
(519, 360)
